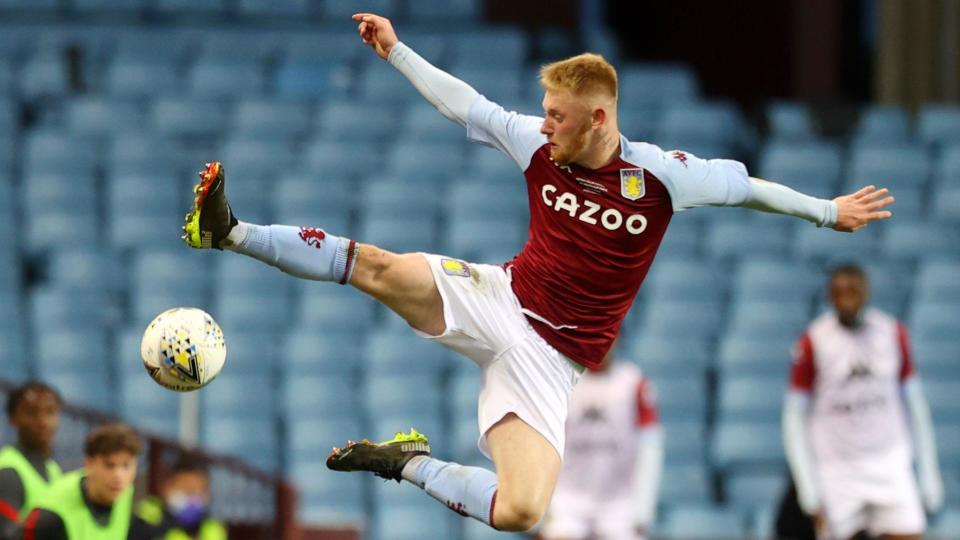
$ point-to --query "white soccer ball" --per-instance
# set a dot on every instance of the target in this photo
(183, 349)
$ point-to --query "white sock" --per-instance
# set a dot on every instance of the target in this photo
(304, 252)
(468, 491)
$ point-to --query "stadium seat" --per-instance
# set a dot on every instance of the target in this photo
(937, 357)
(501, 48)
(906, 240)
(751, 398)
(346, 120)
(137, 153)
(747, 490)
(404, 353)
(660, 83)
(744, 238)
(471, 239)
(422, 162)
(251, 295)
(81, 309)
(781, 319)
(268, 118)
(131, 76)
(256, 156)
(948, 442)
(820, 244)
(13, 357)
(314, 436)
(660, 356)
(698, 522)
(147, 404)
(276, 8)
(687, 279)
(475, 198)
(69, 351)
(91, 390)
(883, 124)
(399, 197)
(45, 76)
(103, 116)
(378, 83)
(301, 79)
(422, 122)
(684, 483)
(948, 164)
(143, 209)
(313, 352)
(211, 78)
(341, 11)
(689, 319)
(939, 124)
(190, 7)
(53, 152)
(943, 399)
(158, 283)
(946, 203)
(945, 525)
(890, 166)
(417, 397)
(56, 204)
(87, 268)
(938, 280)
(326, 308)
(400, 235)
(754, 353)
(302, 193)
(408, 520)
(326, 499)
(681, 397)
(712, 122)
(747, 446)
(811, 167)
(314, 397)
(327, 158)
(254, 439)
(108, 6)
(682, 239)
(788, 121)
(188, 117)
(773, 280)
(240, 396)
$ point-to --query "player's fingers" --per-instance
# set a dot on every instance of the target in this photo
(876, 205)
(874, 195)
(360, 16)
(876, 216)
(863, 191)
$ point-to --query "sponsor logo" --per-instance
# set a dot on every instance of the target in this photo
(590, 212)
(312, 236)
(680, 156)
(453, 267)
(631, 184)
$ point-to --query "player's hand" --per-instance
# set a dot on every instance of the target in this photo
(377, 32)
(858, 209)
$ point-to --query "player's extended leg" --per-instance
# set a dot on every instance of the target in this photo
(404, 283)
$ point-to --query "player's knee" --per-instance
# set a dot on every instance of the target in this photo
(517, 516)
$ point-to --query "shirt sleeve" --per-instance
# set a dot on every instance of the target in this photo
(693, 182)
(907, 368)
(646, 405)
(803, 373)
(11, 494)
(517, 135)
(44, 525)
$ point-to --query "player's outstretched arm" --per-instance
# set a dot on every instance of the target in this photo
(846, 213)
(451, 96)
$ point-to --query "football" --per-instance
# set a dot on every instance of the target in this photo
(183, 349)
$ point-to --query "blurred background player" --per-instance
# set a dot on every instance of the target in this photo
(27, 468)
(96, 502)
(182, 511)
(534, 324)
(607, 489)
(854, 399)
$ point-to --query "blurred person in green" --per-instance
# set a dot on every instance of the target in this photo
(183, 508)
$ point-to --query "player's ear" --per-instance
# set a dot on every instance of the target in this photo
(599, 117)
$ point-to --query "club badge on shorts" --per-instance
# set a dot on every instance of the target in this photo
(631, 184)
(455, 268)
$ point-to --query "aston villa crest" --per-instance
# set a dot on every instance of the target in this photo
(631, 184)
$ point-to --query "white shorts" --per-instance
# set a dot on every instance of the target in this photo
(522, 373)
(574, 516)
(887, 504)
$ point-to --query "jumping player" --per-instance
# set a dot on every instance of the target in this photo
(608, 483)
(599, 206)
(854, 400)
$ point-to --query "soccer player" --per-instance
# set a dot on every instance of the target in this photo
(599, 205)
(607, 489)
(854, 400)
(26, 468)
(183, 509)
(95, 502)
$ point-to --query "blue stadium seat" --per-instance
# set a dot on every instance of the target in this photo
(266, 118)
(236, 396)
(821, 244)
(13, 355)
(703, 523)
(130, 76)
(473, 198)
(328, 308)
(254, 439)
(737, 239)
(937, 357)
(400, 235)
(159, 282)
(748, 490)
(345, 120)
(685, 442)
(437, 162)
(221, 79)
(59, 351)
(789, 121)
(51, 151)
(73, 308)
(103, 116)
(409, 520)
(57, 204)
(712, 122)
(251, 295)
(435, 11)
(327, 158)
(255, 354)
(946, 524)
(188, 117)
(382, 84)
(905, 240)
(390, 353)
(939, 124)
(682, 397)
(504, 48)
(125, 359)
(783, 319)
(190, 7)
(751, 398)
(143, 209)
(943, 399)
(326, 498)
(422, 122)
(91, 390)
(890, 166)
(6, 87)
(747, 446)
(470, 239)
(314, 397)
(256, 156)
(498, 83)
(314, 436)
(463, 437)
(883, 124)
(137, 153)
(148, 405)
(399, 197)
(769, 279)
(416, 397)
(811, 167)
(463, 389)
(9, 115)
(299, 79)
(278, 8)
(948, 164)
(946, 203)
(88, 268)
(642, 84)
(328, 46)
(44, 76)
(341, 11)
(660, 356)
(311, 351)
(688, 279)
(682, 240)
(683, 484)
(108, 6)
(948, 442)
(688, 319)
(937, 280)
(754, 353)
(302, 193)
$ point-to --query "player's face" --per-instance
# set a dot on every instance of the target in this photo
(109, 475)
(849, 294)
(566, 124)
(191, 484)
(36, 420)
